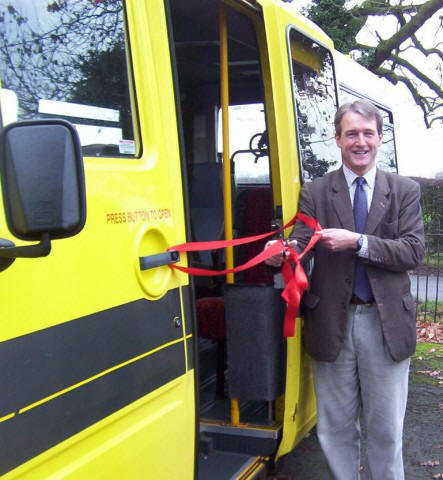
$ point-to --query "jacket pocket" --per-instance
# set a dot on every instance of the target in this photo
(408, 302)
(310, 300)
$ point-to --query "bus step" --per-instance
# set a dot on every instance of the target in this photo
(231, 466)
(244, 439)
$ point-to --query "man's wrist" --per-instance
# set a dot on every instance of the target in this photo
(360, 240)
(363, 251)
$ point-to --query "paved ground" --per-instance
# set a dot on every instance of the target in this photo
(423, 441)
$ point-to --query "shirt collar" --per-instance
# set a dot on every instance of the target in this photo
(350, 176)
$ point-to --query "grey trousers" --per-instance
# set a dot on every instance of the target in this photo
(364, 376)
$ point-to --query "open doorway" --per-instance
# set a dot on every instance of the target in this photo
(195, 34)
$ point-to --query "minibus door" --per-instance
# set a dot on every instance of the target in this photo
(97, 376)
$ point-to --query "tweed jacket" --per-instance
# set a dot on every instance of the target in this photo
(396, 245)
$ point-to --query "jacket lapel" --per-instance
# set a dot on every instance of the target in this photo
(380, 202)
(341, 200)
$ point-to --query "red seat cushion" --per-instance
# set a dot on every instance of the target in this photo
(257, 220)
(211, 317)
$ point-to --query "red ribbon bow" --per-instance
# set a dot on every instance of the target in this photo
(293, 274)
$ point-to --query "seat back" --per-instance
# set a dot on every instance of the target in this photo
(255, 203)
(206, 202)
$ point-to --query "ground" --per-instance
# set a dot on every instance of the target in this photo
(423, 443)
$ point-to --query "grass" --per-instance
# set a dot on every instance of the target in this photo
(427, 364)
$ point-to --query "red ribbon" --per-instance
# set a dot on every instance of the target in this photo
(293, 274)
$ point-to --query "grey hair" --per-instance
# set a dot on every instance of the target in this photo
(364, 108)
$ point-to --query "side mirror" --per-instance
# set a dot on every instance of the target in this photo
(42, 176)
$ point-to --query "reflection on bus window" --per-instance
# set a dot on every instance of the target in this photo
(67, 59)
(386, 156)
(315, 102)
(386, 153)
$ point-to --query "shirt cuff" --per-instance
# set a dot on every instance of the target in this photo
(364, 250)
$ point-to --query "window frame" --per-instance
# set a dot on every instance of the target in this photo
(289, 29)
(129, 92)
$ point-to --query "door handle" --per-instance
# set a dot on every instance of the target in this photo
(158, 260)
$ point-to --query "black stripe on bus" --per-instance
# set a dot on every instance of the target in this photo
(190, 352)
(187, 311)
(42, 363)
(38, 429)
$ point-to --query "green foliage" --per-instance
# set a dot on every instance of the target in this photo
(367, 58)
(338, 22)
(432, 201)
(427, 364)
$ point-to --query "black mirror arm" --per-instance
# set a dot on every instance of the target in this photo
(28, 251)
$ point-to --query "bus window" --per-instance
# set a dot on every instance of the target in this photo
(68, 60)
(386, 154)
(315, 103)
(248, 143)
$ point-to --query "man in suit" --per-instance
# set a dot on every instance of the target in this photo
(359, 314)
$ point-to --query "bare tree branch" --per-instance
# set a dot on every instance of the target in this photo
(385, 47)
(371, 7)
(392, 57)
(419, 100)
(418, 73)
(426, 51)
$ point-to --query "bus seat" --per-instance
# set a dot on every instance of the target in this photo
(206, 202)
(256, 203)
(254, 311)
(207, 223)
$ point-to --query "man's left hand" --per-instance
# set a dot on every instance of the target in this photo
(338, 239)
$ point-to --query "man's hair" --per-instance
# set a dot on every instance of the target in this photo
(364, 108)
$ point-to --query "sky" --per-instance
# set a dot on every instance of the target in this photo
(420, 150)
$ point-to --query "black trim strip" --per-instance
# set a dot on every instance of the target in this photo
(187, 310)
(190, 351)
(34, 431)
(44, 362)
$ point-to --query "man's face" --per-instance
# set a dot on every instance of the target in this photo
(358, 142)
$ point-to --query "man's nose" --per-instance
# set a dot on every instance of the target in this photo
(360, 138)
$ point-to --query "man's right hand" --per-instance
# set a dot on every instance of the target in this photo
(277, 260)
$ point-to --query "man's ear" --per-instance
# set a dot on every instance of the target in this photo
(338, 140)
